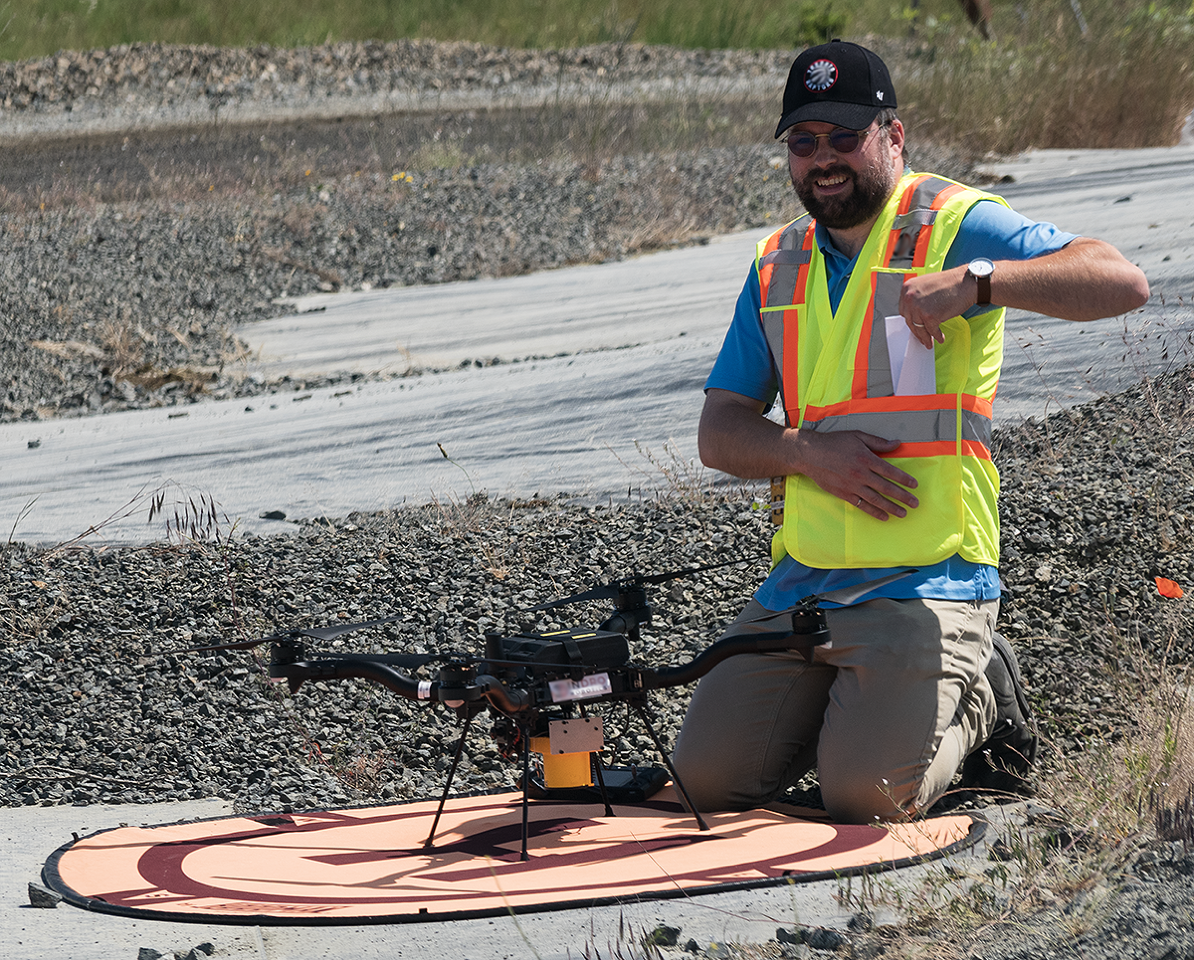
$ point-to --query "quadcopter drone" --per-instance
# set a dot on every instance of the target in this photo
(538, 686)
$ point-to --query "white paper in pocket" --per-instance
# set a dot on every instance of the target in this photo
(912, 368)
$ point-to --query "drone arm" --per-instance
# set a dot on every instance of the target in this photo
(501, 696)
(723, 650)
(484, 687)
(627, 622)
(301, 671)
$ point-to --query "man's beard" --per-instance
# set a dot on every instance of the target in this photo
(872, 186)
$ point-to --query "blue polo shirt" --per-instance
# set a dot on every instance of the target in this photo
(744, 366)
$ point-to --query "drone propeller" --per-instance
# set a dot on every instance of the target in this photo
(330, 633)
(614, 590)
(315, 633)
(609, 591)
(656, 578)
(407, 661)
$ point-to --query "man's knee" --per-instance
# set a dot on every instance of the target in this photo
(713, 782)
(857, 797)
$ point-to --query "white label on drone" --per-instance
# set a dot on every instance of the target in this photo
(595, 685)
(424, 689)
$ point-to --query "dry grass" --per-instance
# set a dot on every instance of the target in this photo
(41, 27)
(1048, 84)
(1117, 791)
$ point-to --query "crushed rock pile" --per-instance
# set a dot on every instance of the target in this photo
(132, 305)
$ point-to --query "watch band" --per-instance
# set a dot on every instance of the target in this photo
(984, 290)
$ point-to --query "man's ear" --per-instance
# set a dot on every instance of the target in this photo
(895, 135)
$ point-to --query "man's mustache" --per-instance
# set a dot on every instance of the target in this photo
(835, 171)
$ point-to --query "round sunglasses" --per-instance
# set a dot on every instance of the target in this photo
(803, 144)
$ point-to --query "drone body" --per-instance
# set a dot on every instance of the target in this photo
(539, 685)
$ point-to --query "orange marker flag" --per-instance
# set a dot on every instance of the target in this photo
(1167, 588)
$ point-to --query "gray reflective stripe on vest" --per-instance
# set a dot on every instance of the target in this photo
(789, 256)
(886, 304)
(889, 285)
(908, 225)
(910, 426)
(917, 216)
(786, 260)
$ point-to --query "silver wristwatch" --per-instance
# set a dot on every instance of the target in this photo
(981, 269)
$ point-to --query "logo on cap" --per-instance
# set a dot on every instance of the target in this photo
(820, 75)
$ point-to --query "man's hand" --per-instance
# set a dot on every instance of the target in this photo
(1085, 280)
(846, 464)
(929, 300)
(737, 439)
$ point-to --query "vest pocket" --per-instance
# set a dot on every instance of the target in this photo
(821, 530)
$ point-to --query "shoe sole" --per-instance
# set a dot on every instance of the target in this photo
(1004, 651)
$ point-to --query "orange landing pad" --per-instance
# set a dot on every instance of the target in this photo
(369, 865)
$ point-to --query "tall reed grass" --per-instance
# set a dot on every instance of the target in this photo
(1119, 75)
(32, 28)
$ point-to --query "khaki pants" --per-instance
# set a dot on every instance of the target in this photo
(887, 712)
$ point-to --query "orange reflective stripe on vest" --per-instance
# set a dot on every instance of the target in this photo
(916, 421)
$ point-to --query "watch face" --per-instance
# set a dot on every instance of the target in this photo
(981, 267)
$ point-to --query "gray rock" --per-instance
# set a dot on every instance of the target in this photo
(823, 938)
(44, 897)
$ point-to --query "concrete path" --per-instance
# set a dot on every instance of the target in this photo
(605, 420)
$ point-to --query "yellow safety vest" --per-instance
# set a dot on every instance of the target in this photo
(835, 374)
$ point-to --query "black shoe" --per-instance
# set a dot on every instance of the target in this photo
(1002, 764)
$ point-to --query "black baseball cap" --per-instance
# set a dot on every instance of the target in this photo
(837, 82)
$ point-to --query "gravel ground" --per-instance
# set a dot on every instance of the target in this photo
(118, 299)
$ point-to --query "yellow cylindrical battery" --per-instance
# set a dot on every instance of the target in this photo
(562, 770)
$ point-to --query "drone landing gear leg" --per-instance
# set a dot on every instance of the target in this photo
(667, 761)
(595, 761)
(526, 788)
(448, 785)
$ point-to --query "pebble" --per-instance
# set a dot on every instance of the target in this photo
(43, 897)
